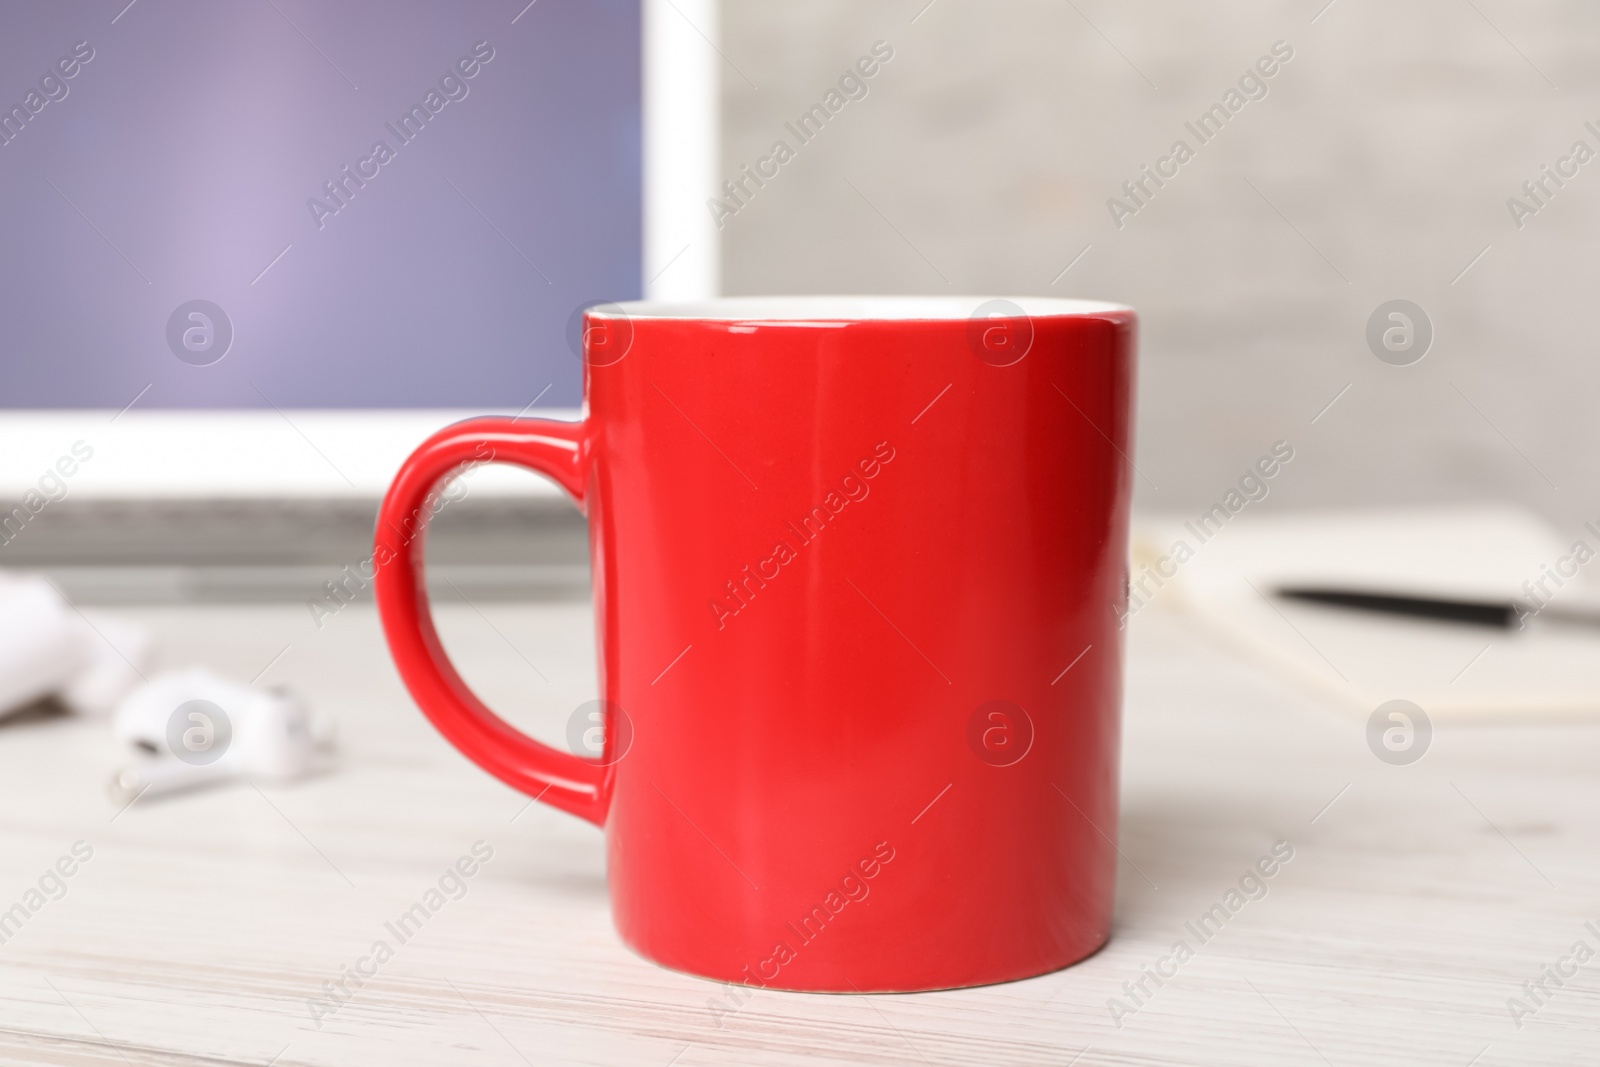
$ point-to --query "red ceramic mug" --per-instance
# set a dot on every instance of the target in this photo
(858, 569)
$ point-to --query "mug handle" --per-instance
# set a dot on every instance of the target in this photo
(557, 450)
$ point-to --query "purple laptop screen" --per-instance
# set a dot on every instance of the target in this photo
(294, 204)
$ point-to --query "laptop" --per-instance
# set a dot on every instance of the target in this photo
(255, 252)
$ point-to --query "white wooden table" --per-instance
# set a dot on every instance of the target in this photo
(1416, 904)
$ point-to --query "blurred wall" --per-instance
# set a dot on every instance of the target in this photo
(1377, 166)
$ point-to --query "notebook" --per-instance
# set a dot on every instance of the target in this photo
(1228, 573)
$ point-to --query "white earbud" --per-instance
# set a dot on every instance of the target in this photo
(48, 649)
(206, 728)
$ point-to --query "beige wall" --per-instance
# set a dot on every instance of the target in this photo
(1389, 143)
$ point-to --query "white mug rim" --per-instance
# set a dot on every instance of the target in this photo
(849, 309)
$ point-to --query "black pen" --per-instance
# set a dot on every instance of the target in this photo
(1501, 614)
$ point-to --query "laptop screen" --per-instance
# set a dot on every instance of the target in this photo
(292, 204)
